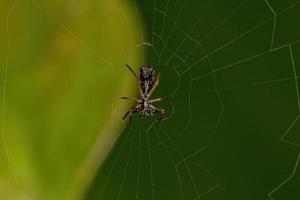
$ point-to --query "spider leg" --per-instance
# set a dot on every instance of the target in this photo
(154, 86)
(137, 78)
(130, 112)
(160, 111)
(131, 98)
(134, 74)
(156, 100)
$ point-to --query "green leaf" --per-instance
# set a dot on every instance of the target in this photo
(62, 75)
(230, 70)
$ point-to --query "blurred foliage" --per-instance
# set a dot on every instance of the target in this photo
(230, 70)
(62, 75)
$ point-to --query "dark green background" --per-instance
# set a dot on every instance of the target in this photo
(230, 70)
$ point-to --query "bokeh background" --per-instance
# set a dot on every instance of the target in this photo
(230, 72)
(62, 75)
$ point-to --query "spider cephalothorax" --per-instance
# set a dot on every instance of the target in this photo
(147, 82)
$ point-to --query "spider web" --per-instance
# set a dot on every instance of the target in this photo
(230, 71)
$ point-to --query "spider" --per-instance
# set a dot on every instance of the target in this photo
(147, 84)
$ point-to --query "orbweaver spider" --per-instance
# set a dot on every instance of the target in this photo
(147, 84)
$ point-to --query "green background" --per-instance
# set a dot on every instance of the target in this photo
(230, 70)
(62, 73)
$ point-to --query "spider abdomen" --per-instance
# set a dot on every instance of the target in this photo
(147, 78)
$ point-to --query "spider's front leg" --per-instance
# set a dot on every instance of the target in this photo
(130, 113)
(160, 111)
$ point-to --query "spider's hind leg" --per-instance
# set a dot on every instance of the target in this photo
(137, 78)
(133, 73)
(155, 85)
